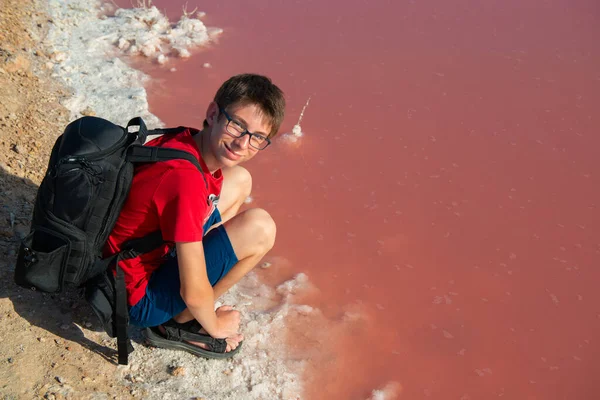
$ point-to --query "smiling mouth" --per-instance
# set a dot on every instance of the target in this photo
(233, 153)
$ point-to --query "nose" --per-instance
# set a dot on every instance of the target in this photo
(243, 141)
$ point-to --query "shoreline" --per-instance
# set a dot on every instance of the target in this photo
(59, 350)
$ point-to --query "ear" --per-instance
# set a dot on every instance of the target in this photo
(212, 113)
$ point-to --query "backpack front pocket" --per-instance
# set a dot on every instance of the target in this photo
(77, 184)
(42, 260)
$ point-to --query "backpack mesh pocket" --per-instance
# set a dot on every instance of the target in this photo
(42, 260)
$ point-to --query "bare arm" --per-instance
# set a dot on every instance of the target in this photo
(198, 294)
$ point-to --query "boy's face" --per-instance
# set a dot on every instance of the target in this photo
(226, 149)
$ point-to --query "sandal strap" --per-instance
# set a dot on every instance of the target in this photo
(179, 333)
(190, 326)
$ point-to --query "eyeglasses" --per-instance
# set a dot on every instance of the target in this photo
(237, 130)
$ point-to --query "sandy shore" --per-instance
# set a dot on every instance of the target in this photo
(41, 353)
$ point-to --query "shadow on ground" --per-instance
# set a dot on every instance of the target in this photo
(62, 314)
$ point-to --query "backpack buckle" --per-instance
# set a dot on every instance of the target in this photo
(29, 256)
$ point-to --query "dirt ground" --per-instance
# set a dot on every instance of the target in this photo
(50, 345)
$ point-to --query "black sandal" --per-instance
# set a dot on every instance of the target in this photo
(176, 337)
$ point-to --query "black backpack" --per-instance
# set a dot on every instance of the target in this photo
(87, 182)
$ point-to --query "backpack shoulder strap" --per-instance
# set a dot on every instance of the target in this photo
(140, 154)
(142, 133)
(154, 133)
(130, 249)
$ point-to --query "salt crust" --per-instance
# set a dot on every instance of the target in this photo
(262, 368)
(85, 44)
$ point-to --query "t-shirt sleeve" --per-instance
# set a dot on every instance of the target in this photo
(180, 201)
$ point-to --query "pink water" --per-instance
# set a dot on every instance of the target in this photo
(448, 182)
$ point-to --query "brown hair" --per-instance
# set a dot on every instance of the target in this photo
(246, 89)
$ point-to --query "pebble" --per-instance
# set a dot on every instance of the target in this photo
(58, 56)
(88, 112)
(184, 53)
(177, 371)
(10, 360)
(265, 265)
(17, 149)
(207, 65)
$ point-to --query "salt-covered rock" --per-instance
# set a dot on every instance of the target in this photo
(181, 52)
(161, 59)
(123, 44)
(58, 56)
(154, 35)
(297, 130)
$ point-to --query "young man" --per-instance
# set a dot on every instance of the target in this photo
(173, 296)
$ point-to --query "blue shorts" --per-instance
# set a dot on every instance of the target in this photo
(162, 300)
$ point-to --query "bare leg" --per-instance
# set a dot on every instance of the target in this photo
(252, 235)
(237, 185)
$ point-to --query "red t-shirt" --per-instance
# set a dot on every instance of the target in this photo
(170, 196)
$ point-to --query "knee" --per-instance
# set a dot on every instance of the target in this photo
(262, 229)
(243, 182)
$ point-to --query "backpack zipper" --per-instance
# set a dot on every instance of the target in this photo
(83, 164)
(104, 227)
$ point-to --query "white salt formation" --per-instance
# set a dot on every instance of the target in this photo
(297, 129)
(390, 391)
(85, 45)
(147, 32)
